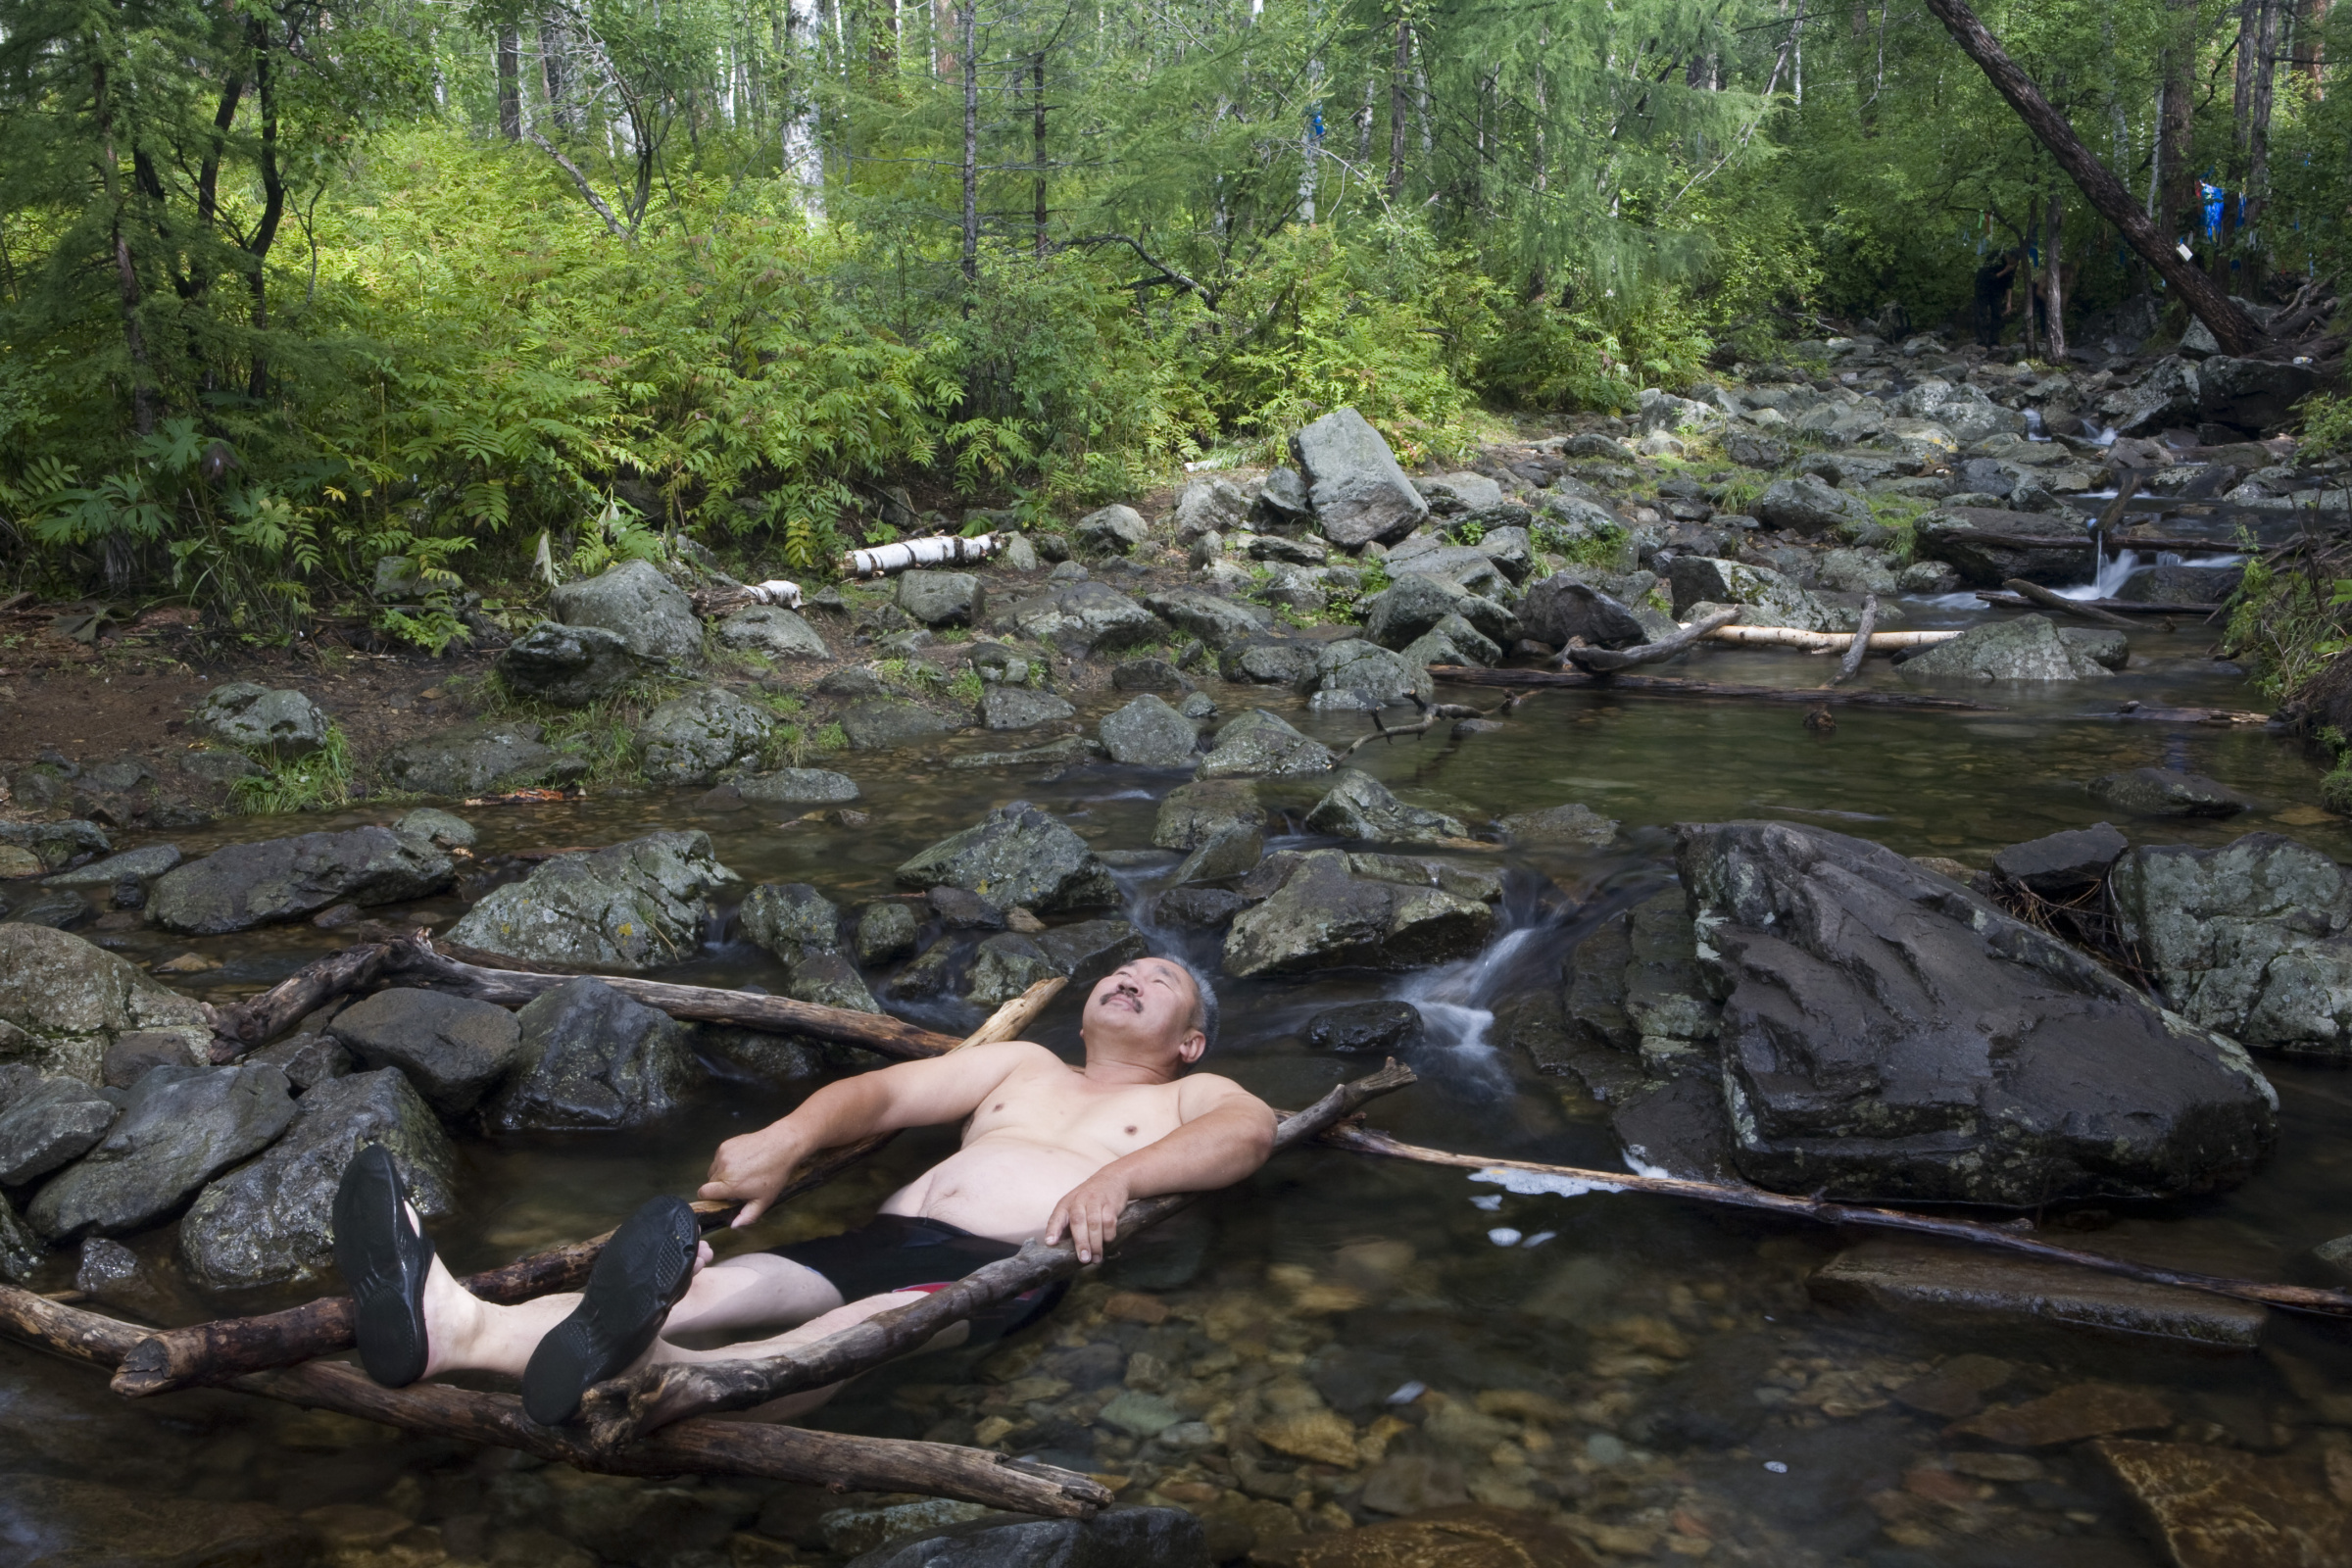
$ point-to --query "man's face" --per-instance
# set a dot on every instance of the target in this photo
(1148, 1005)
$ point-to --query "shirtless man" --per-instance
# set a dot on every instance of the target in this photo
(1048, 1149)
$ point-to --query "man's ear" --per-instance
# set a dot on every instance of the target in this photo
(1190, 1048)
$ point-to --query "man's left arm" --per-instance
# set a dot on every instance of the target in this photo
(1226, 1133)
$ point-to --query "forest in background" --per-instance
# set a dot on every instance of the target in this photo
(292, 286)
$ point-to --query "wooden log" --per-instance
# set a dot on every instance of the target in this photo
(220, 1351)
(619, 1412)
(1830, 642)
(2149, 712)
(1857, 646)
(2295, 1298)
(245, 1024)
(1608, 660)
(2048, 600)
(2113, 606)
(1666, 686)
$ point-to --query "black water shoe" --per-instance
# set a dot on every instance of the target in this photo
(384, 1256)
(638, 1278)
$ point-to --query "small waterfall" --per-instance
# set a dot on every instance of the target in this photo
(2034, 429)
(2114, 573)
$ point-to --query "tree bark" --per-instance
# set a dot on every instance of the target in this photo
(2178, 197)
(1399, 75)
(510, 84)
(248, 1023)
(1858, 647)
(1037, 84)
(1606, 661)
(964, 38)
(2054, 281)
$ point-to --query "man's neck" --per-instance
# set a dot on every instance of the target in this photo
(1117, 1072)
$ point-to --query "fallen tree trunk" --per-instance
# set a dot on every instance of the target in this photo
(1857, 646)
(2113, 606)
(226, 1347)
(941, 550)
(2149, 712)
(2079, 608)
(1608, 660)
(1830, 642)
(1666, 686)
(248, 1023)
(621, 1411)
(1570, 1180)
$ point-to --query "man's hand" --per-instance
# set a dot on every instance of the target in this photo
(753, 1169)
(1090, 1211)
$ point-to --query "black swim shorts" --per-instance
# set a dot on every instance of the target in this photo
(897, 1252)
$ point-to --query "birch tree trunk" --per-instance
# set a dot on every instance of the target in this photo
(2053, 282)
(1398, 72)
(802, 155)
(965, 20)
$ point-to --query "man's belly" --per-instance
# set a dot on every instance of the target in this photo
(1003, 1190)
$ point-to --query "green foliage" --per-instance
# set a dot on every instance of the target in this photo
(965, 688)
(1597, 547)
(314, 783)
(2287, 625)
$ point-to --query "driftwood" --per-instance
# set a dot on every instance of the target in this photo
(2048, 600)
(2295, 1298)
(245, 1024)
(1666, 686)
(829, 1459)
(2110, 607)
(2152, 714)
(222, 1350)
(1608, 660)
(1431, 714)
(621, 1411)
(1831, 642)
(1857, 646)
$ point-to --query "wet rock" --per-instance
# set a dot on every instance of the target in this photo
(1415, 603)
(1003, 707)
(442, 829)
(885, 930)
(22, 1252)
(1767, 597)
(829, 980)
(181, 1127)
(242, 713)
(54, 844)
(2225, 1509)
(692, 737)
(1856, 572)
(240, 886)
(1372, 1028)
(591, 1057)
(1193, 813)
(775, 632)
(2252, 395)
(632, 907)
(2109, 650)
(118, 1279)
(1952, 534)
(1971, 1290)
(647, 611)
(2182, 585)
(1195, 909)
(1469, 1536)
(1957, 1389)
(1258, 743)
(1017, 854)
(1463, 882)
(1358, 491)
(1323, 916)
(791, 919)
(1119, 1538)
(797, 786)
(129, 1057)
(2062, 866)
(488, 756)
(569, 666)
(1149, 733)
(2026, 649)
(1082, 618)
(45, 1122)
(1219, 623)
(881, 722)
(2337, 1255)
(2166, 791)
(53, 1522)
(1805, 505)
(1010, 964)
(1114, 530)
(1847, 1067)
(307, 1059)
(1356, 677)
(63, 1001)
(270, 1222)
(1565, 605)
(1154, 676)
(59, 909)
(961, 909)
(2072, 1413)
(941, 598)
(1229, 854)
(137, 866)
(1270, 661)
(454, 1048)
(1360, 807)
(1570, 826)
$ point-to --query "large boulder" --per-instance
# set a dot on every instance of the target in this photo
(1414, 603)
(1270, 661)
(181, 1127)
(2167, 792)
(634, 905)
(454, 1048)
(1211, 505)
(487, 756)
(45, 1122)
(569, 666)
(2252, 395)
(1352, 675)
(1082, 618)
(1009, 963)
(1353, 483)
(270, 1222)
(249, 716)
(1113, 530)
(1805, 505)
(1567, 605)
(943, 598)
(1360, 807)
(54, 844)
(791, 919)
(2249, 938)
(1149, 733)
(2027, 648)
(1216, 620)
(1258, 743)
(773, 632)
(1017, 855)
(690, 738)
(1766, 597)
(650, 613)
(1325, 916)
(2166, 395)
(63, 1001)
(880, 724)
(1887, 1035)
(1988, 547)
(1005, 707)
(1194, 814)
(592, 1058)
(240, 886)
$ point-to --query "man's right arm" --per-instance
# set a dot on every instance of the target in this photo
(755, 1166)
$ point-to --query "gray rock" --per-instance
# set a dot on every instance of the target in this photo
(1928, 578)
(634, 905)
(569, 666)
(775, 631)
(286, 724)
(1451, 640)
(885, 930)
(132, 1056)
(1366, 1028)
(1360, 807)
(692, 737)
(45, 1122)
(852, 684)
(1149, 733)
(1323, 916)
(1233, 851)
(943, 598)
(961, 909)
(60, 1522)
(240, 886)
(1276, 547)
(181, 1127)
(1018, 554)
(22, 1252)
(1356, 677)
(2253, 395)
(442, 829)
(1017, 855)
(270, 1222)
(63, 1001)
(829, 980)
(592, 1058)
(1571, 826)
(487, 756)
(453, 1049)
(1270, 662)
(880, 724)
(1194, 814)
(1805, 505)
(1415, 603)
(2182, 585)
(2166, 791)
(1353, 483)
(791, 919)
(2107, 649)
(60, 908)
(1198, 908)
(1954, 534)
(2062, 866)
(307, 1059)
(1114, 529)
(1000, 665)
(53, 844)
(137, 865)
(2027, 648)
(650, 613)
(1008, 963)
(1284, 503)
(2337, 1255)
(1154, 676)
(1565, 605)
(1082, 618)
(1452, 494)
(1258, 743)
(1003, 707)
(1856, 572)
(1118, 1538)
(1218, 621)
(797, 786)
(1767, 597)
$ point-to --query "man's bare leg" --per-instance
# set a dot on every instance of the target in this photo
(793, 1405)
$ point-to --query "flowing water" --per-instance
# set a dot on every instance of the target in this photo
(1656, 1370)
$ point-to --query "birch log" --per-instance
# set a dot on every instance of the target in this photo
(939, 550)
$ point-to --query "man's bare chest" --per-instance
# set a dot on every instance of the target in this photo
(1059, 1108)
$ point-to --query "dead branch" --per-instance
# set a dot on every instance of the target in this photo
(2063, 605)
(1858, 648)
(1608, 660)
(1431, 714)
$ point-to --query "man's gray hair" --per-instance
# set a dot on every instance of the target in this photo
(1205, 997)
